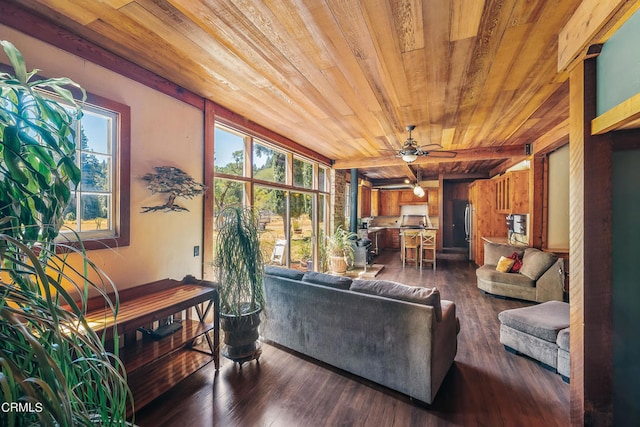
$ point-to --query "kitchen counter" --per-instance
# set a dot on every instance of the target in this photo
(503, 240)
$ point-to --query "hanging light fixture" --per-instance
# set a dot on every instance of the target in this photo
(417, 189)
(409, 158)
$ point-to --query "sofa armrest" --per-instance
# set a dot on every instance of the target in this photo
(550, 286)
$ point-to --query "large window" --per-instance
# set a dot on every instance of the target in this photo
(230, 152)
(99, 208)
(269, 164)
(287, 190)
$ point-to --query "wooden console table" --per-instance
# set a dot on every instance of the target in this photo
(155, 365)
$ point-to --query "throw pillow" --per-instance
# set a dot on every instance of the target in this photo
(340, 282)
(504, 264)
(535, 263)
(515, 268)
(399, 291)
(493, 252)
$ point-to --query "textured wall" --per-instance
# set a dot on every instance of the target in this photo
(164, 131)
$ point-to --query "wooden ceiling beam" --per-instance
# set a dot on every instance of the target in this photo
(473, 154)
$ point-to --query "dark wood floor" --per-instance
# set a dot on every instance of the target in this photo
(485, 387)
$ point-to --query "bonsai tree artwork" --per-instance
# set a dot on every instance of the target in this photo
(176, 183)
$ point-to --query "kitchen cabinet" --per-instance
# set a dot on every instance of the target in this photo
(389, 203)
(484, 219)
(393, 238)
(492, 200)
(375, 202)
(364, 196)
(432, 199)
(512, 192)
(391, 200)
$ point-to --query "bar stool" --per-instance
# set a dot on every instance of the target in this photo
(428, 247)
(411, 242)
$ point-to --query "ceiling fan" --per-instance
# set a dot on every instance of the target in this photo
(410, 150)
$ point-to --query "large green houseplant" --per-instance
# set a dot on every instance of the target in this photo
(240, 271)
(54, 368)
(340, 249)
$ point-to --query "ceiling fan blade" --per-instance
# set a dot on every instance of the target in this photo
(442, 154)
(430, 147)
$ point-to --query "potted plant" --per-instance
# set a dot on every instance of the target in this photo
(340, 250)
(53, 365)
(240, 270)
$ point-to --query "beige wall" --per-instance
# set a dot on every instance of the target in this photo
(558, 213)
(164, 131)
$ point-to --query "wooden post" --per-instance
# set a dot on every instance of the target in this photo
(590, 256)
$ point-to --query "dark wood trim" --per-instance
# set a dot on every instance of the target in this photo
(544, 209)
(537, 201)
(208, 167)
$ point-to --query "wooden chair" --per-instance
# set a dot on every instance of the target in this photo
(428, 248)
(277, 257)
(410, 242)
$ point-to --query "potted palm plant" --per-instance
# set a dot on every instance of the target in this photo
(240, 270)
(54, 367)
(340, 250)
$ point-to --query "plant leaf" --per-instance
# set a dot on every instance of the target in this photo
(17, 61)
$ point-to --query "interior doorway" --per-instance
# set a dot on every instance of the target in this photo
(458, 235)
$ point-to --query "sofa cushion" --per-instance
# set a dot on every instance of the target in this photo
(330, 280)
(543, 320)
(535, 263)
(488, 273)
(505, 264)
(493, 252)
(287, 273)
(563, 339)
(399, 291)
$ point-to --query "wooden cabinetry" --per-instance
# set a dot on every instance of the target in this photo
(432, 199)
(155, 365)
(391, 200)
(512, 192)
(491, 201)
(389, 203)
(364, 196)
(393, 238)
(483, 217)
(375, 202)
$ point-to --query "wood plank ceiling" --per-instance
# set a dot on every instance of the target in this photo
(345, 77)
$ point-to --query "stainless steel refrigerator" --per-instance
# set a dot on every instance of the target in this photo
(468, 214)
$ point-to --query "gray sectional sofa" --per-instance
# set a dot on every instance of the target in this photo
(541, 332)
(541, 277)
(402, 337)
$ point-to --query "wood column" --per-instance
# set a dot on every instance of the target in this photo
(590, 256)
(353, 214)
(537, 202)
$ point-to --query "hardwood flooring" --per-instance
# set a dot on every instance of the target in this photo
(487, 386)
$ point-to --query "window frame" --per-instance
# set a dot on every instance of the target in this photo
(121, 181)
(248, 178)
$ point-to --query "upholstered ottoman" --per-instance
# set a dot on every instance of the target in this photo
(564, 361)
(534, 330)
